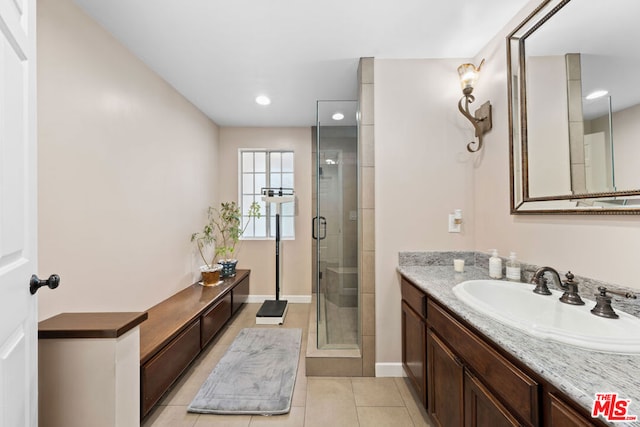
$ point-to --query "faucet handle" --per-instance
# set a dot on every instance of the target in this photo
(570, 295)
(603, 305)
(541, 285)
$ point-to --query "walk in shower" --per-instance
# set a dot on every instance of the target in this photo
(335, 225)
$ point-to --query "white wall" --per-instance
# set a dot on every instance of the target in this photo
(422, 173)
(126, 170)
(259, 255)
(601, 247)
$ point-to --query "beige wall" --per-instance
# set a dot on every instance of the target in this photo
(126, 169)
(422, 173)
(626, 128)
(548, 158)
(420, 148)
(601, 247)
(259, 255)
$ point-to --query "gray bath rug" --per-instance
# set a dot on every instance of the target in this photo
(256, 375)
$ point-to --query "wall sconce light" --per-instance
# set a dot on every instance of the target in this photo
(481, 120)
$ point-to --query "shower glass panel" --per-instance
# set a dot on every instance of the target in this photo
(335, 225)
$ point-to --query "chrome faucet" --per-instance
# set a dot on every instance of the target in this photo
(570, 287)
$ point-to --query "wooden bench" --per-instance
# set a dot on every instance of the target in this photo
(179, 328)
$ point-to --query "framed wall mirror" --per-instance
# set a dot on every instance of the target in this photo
(574, 108)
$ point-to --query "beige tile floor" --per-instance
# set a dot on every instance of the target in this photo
(317, 401)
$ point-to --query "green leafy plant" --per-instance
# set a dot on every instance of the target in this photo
(223, 229)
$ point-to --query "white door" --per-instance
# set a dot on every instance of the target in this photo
(18, 250)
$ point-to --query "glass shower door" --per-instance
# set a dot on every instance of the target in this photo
(335, 225)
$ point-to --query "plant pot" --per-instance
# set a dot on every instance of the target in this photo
(210, 276)
(228, 267)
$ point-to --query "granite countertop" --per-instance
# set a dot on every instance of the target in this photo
(577, 372)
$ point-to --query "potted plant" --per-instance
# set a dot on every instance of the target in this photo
(223, 229)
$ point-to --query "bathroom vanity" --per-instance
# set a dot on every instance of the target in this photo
(471, 370)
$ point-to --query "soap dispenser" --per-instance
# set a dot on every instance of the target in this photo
(513, 268)
(495, 265)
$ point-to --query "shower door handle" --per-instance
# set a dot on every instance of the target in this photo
(323, 229)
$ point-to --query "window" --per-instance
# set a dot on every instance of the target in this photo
(259, 169)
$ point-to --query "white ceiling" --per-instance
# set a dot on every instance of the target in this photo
(222, 54)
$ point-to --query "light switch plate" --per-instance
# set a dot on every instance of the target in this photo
(453, 227)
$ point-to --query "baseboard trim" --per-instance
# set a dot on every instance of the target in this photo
(294, 299)
(390, 370)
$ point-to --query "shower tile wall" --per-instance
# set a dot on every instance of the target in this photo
(366, 236)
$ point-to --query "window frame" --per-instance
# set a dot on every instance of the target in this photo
(284, 172)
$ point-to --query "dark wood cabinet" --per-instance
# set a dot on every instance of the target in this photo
(482, 408)
(465, 379)
(157, 375)
(509, 383)
(214, 319)
(414, 357)
(240, 294)
(445, 389)
(414, 335)
(563, 415)
(179, 328)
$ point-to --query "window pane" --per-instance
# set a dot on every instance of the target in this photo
(263, 207)
(287, 162)
(272, 225)
(275, 162)
(275, 180)
(260, 161)
(287, 226)
(287, 180)
(288, 208)
(248, 231)
(247, 161)
(246, 203)
(260, 227)
(247, 183)
(261, 181)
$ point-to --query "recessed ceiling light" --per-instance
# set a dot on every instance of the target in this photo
(596, 94)
(337, 116)
(263, 100)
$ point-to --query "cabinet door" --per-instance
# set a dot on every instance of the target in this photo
(414, 357)
(562, 415)
(445, 379)
(481, 408)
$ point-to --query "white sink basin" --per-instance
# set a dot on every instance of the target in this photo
(544, 316)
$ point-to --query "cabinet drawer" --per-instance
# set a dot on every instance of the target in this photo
(516, 389)
(240, 295)
(164, 368)
(214, 319)
(414, 297)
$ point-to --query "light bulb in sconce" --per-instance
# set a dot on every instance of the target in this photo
(481, 119)
(469, 75)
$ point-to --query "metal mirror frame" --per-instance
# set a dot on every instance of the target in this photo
(521, 202)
